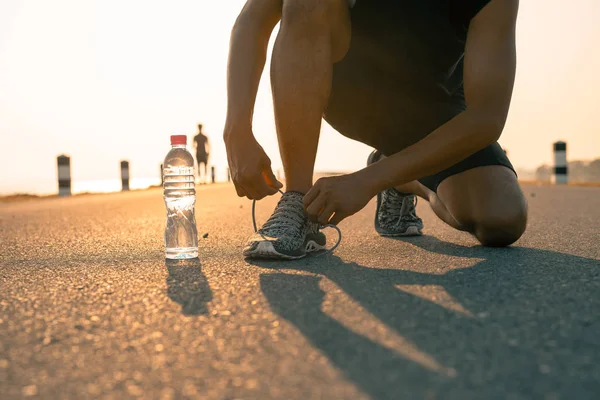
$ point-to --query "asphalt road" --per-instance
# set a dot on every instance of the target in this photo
(90, 309)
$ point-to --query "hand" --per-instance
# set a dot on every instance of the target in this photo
(332, 199)
(250, 168)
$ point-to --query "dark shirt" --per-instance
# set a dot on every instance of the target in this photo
(201, 153)
(402, 77)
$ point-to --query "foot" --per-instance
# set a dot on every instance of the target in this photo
(396, 213)
(287, 234)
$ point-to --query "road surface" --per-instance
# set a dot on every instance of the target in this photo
(90, 309)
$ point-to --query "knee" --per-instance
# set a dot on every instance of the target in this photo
(502, 229)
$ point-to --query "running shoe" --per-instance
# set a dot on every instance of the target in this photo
(396, 213)
(287, 234)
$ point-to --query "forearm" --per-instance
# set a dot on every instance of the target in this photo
(247, 55)
(452, 142)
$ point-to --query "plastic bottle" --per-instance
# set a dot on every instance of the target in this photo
(181, 235)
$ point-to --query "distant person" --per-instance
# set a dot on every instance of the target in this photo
(426, 83)
(202, 151)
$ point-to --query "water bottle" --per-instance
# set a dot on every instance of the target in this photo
(181, 235)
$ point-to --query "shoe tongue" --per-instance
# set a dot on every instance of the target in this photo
(399, 193)
(289, 211)
(295, 197)
(394, 195)
(293, 200)
(293, 193)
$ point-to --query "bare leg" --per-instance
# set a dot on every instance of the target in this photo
(485, 201)
(436, 204)
(314, 34)
(488, 202)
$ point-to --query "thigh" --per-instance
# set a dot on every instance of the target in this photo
(488, 195)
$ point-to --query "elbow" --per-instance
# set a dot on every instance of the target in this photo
(488, 125)
(255, 20)
(247, 20)
(241, 22)
(494, 130)
(248, 31)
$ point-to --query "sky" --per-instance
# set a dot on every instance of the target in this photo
(108, 80)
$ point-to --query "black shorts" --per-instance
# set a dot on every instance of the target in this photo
(491, 155)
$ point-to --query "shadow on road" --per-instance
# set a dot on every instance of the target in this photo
(187, 285)
(528, 327)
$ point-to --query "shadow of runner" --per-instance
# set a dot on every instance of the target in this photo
(375, 368)
(187, 285)
(529, 331)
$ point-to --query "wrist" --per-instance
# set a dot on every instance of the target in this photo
(237, 131)
(369, 181)
(378, 177)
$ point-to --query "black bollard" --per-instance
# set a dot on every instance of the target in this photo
(560, 163)
(124, 175)
(64, 175)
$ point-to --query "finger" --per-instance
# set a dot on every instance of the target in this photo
(250, 193)
(311, 195)
(315, 208)
(271, 179)
(268, 173)
(337, 218)
(326, 214)
(263, 189)
(257, 188)
(239, 190)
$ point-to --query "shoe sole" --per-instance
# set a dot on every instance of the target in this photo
(265, 250)
(410, 231)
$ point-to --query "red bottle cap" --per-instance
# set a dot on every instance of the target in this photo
(178, 139)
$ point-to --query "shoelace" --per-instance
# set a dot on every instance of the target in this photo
(410, 208)
(397, 203)
(320, 227)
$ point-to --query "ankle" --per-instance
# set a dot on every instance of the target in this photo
(302, 189)
(416, 188)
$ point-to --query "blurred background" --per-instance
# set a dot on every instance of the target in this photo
(107, 80)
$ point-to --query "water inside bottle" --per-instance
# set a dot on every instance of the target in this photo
(181, 235)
